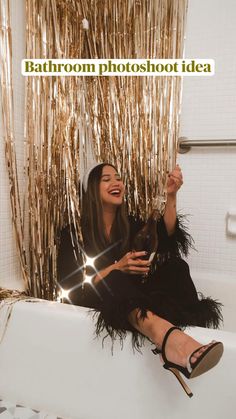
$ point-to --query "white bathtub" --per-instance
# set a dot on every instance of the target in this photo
(50, 361)
(223, 288)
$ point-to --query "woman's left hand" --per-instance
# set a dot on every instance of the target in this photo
(175, 181)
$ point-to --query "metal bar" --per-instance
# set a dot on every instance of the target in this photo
(185, 144)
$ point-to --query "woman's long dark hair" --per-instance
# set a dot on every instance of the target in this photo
(93, 229)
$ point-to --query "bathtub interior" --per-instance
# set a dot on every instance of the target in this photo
(222, 288)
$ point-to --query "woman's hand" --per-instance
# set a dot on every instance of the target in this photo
(175, 181)
(132, 264)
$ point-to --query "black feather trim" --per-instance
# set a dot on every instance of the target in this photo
(114, 321)
(205, 312)
(208, 312)
(180, 242)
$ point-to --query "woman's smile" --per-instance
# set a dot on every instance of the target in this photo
(111, 187)
(115, 192)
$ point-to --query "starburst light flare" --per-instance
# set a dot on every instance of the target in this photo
(90, 261)
(88, 279)
(64, 294)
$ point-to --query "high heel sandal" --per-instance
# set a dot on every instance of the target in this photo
(207, 360)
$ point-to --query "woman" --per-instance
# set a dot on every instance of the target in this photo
(154, 309)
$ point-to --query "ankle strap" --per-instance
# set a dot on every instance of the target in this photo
(165, 340)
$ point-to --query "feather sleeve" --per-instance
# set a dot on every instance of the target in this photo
(178, 243)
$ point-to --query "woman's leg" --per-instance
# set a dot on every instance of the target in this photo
(179, 346)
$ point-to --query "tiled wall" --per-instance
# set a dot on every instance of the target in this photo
(209, 112)
(10, 276)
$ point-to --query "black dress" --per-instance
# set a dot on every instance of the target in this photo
(169, 291)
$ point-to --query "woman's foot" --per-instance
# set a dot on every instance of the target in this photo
(180, 346)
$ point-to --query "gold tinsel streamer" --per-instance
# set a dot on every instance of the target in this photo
(135, 120)
(131, 121)
(55, 123)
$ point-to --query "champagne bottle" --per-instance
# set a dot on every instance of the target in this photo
(147, 239)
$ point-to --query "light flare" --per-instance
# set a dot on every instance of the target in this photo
(90, 261)
(63, 294)
(88, 279)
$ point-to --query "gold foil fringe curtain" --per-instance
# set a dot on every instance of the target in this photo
(129, 121)
(135, 120)
(55, 122)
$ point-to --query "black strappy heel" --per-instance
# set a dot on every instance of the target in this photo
(204, 363)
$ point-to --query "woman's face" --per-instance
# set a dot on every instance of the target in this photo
(111, 187)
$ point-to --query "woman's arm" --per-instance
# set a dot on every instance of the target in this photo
(170, 214)
(102, 274)
(175, 181)
(172, 231)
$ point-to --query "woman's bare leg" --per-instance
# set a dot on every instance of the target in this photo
(179, 345)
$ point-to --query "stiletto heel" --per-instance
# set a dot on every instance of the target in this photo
(207, 360)
(181, 381)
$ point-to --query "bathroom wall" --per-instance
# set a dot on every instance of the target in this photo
(209, 112)
(10, 276)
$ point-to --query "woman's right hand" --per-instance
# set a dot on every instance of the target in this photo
(132, 264)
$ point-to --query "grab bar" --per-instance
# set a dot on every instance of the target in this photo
(185, 144)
